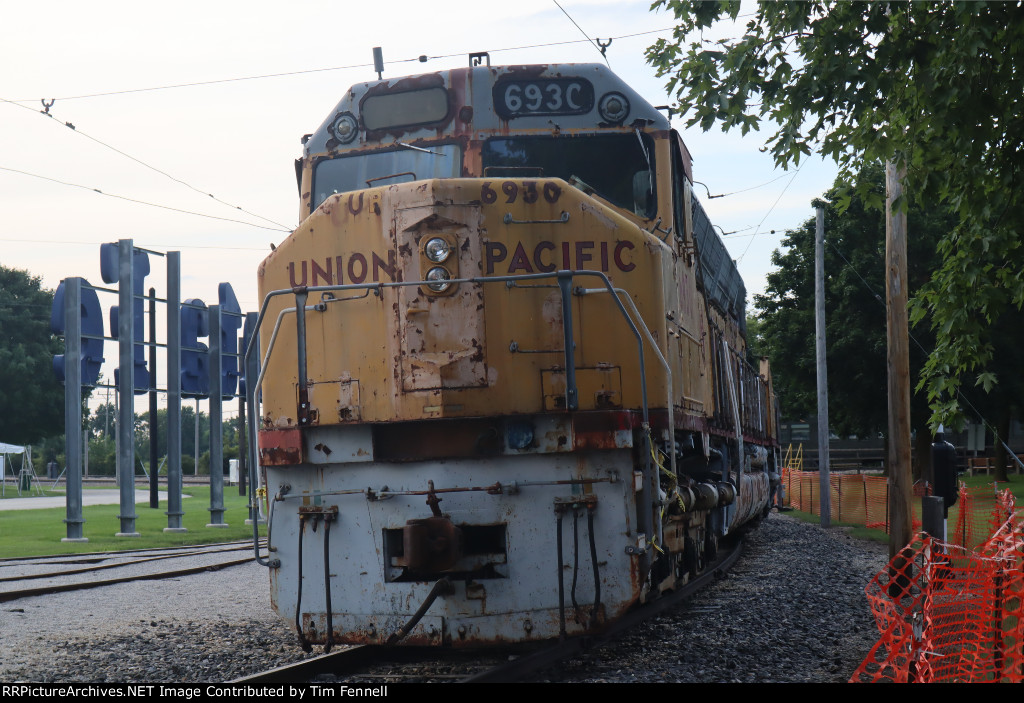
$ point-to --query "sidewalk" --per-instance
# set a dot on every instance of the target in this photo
(91, 497)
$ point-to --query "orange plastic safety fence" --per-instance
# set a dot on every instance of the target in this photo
(863, 499)
(860, 499)
(977, 514)
(950, 614)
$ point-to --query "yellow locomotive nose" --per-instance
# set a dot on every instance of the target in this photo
(442, 348)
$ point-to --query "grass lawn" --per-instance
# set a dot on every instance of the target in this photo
(979, 482)
(11, 491)
(39, 532)
(858, 531)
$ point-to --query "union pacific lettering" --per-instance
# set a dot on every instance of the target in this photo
(545, 257)
(342, 269)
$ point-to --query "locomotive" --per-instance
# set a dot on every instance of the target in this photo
(505, 390)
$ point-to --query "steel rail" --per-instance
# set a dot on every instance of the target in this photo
(102, 567)
(73, 556)
(6, 596)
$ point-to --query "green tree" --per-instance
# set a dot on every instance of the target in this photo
(756, 347)
(935, 86)
(31, 398)
(855, 313)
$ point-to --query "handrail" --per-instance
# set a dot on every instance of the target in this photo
(648, 490)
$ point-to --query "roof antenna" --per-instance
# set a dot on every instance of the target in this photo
(378, 62)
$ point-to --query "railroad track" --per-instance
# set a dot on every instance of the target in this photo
(378, 664)
(34, 576)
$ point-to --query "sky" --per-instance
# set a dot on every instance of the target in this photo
(236, 140)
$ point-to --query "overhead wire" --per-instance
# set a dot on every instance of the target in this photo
(602, 51)
(141, 202)
(744, 190)
(76, 130)
(772, 208)
(280, 226)
(420, 59)
(147, 245)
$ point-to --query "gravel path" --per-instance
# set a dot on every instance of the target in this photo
(792, 610)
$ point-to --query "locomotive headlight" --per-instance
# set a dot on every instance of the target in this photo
(345, 128)
(613, 107)
(437, 250)
(438, 279)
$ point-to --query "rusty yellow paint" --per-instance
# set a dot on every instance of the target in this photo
(407, 354)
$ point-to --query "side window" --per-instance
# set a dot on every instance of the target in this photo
(682, 199)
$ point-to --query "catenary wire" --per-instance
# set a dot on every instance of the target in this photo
(141, 202)
(76, 130)
(797, 173)
(576, 24)
(420, 59)
(148, 245)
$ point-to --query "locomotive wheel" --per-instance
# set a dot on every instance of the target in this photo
(710, 547)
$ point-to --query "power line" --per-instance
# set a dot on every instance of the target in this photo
(195, 84)
(149, 245)
(744, 190)
(603, 55)
(141, 202)
(75, 129)
(771, 209)
(420, 59)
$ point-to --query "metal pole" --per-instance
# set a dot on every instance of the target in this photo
(195, 448)
(174, 511)
(73, 407)
(565, 284)
(302, 412)
(126, 388)
(819, 335)
(251, 370)
(154, 426)
(216, 430)
(241, 443)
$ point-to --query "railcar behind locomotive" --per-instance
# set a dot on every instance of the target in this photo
(506, 394)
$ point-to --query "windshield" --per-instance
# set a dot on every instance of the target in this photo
(617, 167)
(348, 173)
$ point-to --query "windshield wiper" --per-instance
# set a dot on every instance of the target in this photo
(418, 148)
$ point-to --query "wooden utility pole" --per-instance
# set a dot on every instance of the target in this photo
(897, 362)
(819, 345)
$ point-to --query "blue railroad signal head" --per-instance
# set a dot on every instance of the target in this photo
(111, 273)
(91, 357)
(195, 369)
(230, 322)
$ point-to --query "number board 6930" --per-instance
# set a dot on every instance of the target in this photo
(543, 96)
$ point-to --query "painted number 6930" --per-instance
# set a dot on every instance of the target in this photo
(527, 190)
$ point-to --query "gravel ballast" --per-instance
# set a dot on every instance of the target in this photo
(792, 610)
